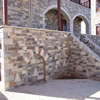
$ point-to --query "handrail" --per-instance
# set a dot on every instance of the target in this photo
(85, 4)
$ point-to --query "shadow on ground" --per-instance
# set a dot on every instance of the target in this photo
(2, 97)
(64, 89)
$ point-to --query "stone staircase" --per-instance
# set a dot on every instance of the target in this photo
(90, 42)
(93, 43)
(95, 39)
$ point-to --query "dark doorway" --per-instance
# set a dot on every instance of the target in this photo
(64, 25)
(97, 30)
(51, 20)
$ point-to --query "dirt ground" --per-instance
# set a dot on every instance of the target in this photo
(55, 90)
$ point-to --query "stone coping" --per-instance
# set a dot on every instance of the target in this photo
(36, 29)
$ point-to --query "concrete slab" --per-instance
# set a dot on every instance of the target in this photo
(56, 90)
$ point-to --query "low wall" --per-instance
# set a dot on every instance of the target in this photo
(95, 39)
(32, 55)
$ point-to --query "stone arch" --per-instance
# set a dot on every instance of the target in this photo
(63, 12)
(40, 52)
(77, 23)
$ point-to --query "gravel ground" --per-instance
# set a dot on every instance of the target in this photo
(56, 90)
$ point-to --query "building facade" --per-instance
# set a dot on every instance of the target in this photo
(95, 17)
(43, 14)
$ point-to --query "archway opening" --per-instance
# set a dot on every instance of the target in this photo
(36, 72)
(80, 25)
(51, 20)
(83, 27)
(98, 30)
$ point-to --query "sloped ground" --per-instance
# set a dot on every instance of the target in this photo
(56, 90)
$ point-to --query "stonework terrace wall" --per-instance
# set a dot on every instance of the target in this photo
(33, 55)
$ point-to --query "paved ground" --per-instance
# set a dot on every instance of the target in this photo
(56, 90)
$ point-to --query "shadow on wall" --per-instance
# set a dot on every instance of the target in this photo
(60, 90)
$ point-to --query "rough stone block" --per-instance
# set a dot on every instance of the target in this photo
(8, 42)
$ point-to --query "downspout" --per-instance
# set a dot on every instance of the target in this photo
(30, 13)
(89, 3)
(5, 13)
(59, 15)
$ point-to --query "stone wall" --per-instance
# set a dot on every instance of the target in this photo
(32, 55)
(77, 25)
(18, 12)
(32, 14)
(51, 20)
(89, 42)
(95, 39)
(83, 63)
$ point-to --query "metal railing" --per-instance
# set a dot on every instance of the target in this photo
(85, 4)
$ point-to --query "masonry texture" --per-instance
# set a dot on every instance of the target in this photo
(95, 39)
(32, 13)
(32, 55)
(51, 20)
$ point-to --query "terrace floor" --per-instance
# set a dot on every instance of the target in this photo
(56, 90)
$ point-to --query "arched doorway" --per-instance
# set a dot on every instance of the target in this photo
(80, 25)
(97, 30)
(51, 20)
(83, 27)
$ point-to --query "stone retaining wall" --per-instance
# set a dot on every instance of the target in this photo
(83, 62)
(32, 55)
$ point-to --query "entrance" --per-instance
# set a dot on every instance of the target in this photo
(64, 25)
(97, 30)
